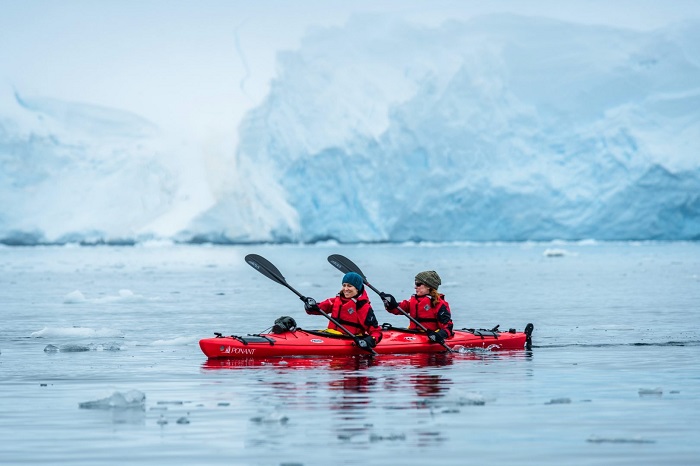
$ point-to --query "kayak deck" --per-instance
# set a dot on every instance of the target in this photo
(302, 342)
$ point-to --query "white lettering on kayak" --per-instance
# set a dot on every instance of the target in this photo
(236, 350)
(409, 338)
(316, 340)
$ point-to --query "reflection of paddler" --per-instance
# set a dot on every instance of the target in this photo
(353, 383)
(430, 384)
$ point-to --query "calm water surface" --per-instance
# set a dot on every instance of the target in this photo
(613, 377)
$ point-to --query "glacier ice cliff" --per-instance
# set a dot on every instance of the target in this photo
(502, 128)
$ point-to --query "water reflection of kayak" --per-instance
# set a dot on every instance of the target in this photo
(302, 342)
(359, 362)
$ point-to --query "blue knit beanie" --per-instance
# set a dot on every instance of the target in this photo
(354, 279)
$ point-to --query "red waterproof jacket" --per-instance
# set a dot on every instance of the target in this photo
(433, 318)
(355, 314)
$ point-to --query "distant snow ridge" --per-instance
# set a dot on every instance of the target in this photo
(502, 128)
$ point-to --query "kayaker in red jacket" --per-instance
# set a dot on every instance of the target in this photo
(427, 306)
(352, 309)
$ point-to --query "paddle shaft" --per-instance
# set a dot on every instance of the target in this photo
(266, 268)
(345, 265)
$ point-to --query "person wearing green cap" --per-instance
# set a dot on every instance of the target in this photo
(351, 308)
(427, 306)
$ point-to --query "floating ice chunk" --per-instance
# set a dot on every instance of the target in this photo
(110, 347)
(595, 439)
(471, 399)
(72, 348)
(51, 349)
(76, 348)
(183, 420)
(391, 437)
(553, 252)
(74, 297)
(133, 399)
(178, 341)
(79, 332)
(123, 296)
(270, 418)
(651, 391)
(559, 401)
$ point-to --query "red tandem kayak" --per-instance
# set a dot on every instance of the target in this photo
(302, 342)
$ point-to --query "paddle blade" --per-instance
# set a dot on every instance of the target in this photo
(345, 265)
(265, 267)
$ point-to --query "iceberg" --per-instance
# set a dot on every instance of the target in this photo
(500, 128)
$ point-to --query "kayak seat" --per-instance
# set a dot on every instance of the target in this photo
(324, 333)
(387, 326)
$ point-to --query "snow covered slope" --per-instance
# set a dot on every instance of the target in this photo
(501, 128)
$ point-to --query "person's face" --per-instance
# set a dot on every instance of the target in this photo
(348, 290)
(421, 289)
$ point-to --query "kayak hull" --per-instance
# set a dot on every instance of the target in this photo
(318, 343)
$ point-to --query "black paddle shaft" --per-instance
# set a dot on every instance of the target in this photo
(345, 265)
(266, 268)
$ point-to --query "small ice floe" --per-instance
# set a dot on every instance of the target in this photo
(559, 401)
(448, 411)
(170, 402)
(133, 399)
(76, 348)
(595, 439)
(109, 347)
(183, 420)
(472, 399)
(178, 341)
(77, 332)
(73, 348)
(554, 252)
(74, 297)
(51, 349)
(270, 418)
(389, 437)
(123, 296)
(651, 391)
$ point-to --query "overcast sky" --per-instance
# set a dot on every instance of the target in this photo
(199, 65)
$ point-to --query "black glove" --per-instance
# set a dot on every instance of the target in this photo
(366, 342)
(436, 337)
(310, 305)
(389, 301)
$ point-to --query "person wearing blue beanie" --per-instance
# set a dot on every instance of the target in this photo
(355, 280)
(351, 308)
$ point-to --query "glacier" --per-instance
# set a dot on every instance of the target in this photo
(500, 128)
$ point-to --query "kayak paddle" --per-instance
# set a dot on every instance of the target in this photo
(345, 265)
(266, 268)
